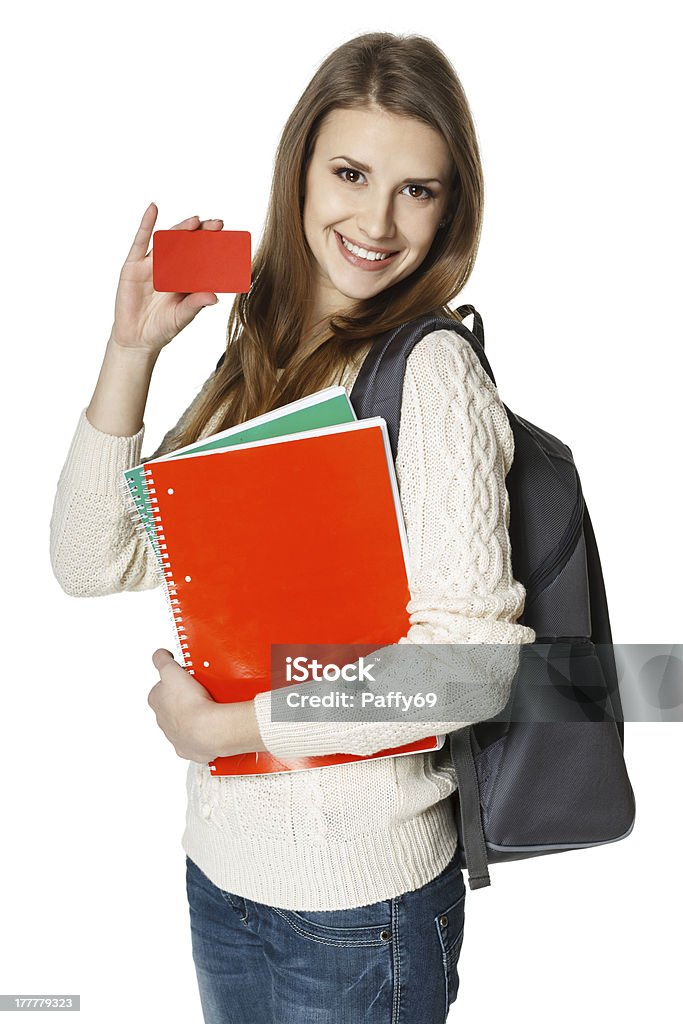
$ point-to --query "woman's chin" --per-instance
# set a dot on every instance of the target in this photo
(363, 289)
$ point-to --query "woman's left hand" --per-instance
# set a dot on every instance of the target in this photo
(199, 728)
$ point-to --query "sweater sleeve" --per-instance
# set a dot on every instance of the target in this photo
(455, 449)
(95, 548)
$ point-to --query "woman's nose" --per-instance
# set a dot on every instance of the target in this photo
(376, 220)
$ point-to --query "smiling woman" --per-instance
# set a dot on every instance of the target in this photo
(365, 228)
(381, 148)
(334, 893)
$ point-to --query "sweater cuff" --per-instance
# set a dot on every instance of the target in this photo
(291, 739)
(96, 460)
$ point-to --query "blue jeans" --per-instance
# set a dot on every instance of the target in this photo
(392, 962)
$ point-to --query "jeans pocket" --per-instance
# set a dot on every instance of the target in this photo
(358, 926)
(450, 927)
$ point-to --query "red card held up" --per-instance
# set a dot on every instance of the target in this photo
(201, 261)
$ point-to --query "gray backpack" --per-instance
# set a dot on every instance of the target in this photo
(548, 773)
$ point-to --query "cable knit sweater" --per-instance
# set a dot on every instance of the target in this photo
(351, 834)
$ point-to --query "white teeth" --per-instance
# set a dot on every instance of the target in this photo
(366, 254)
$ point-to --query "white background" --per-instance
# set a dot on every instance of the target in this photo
(577, 110)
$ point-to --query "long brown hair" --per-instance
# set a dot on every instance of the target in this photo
(406, 75)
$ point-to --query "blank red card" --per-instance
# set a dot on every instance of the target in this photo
(201, 261)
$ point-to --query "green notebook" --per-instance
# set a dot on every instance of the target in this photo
(325, 408)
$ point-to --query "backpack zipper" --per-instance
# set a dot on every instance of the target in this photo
(537, 580)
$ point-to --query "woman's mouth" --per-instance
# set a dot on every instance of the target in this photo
(368, 262)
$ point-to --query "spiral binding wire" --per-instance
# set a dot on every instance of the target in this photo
(137, 500)
(139, 495)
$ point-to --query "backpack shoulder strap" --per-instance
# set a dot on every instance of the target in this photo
(478, 326)
(378, 389)
(468, 800)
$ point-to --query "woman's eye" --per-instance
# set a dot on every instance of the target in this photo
(351, 170)
(424, 189)
(347, 170)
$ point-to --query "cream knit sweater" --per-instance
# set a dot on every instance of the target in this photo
(352, 834)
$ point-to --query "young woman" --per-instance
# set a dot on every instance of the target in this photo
(331, 894)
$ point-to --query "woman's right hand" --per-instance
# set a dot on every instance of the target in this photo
(143, 318)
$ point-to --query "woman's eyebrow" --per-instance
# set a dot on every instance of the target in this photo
(364, 167)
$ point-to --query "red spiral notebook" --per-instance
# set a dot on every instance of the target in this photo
(292, 540)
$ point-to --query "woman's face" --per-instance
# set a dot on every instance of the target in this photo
(390, 198)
